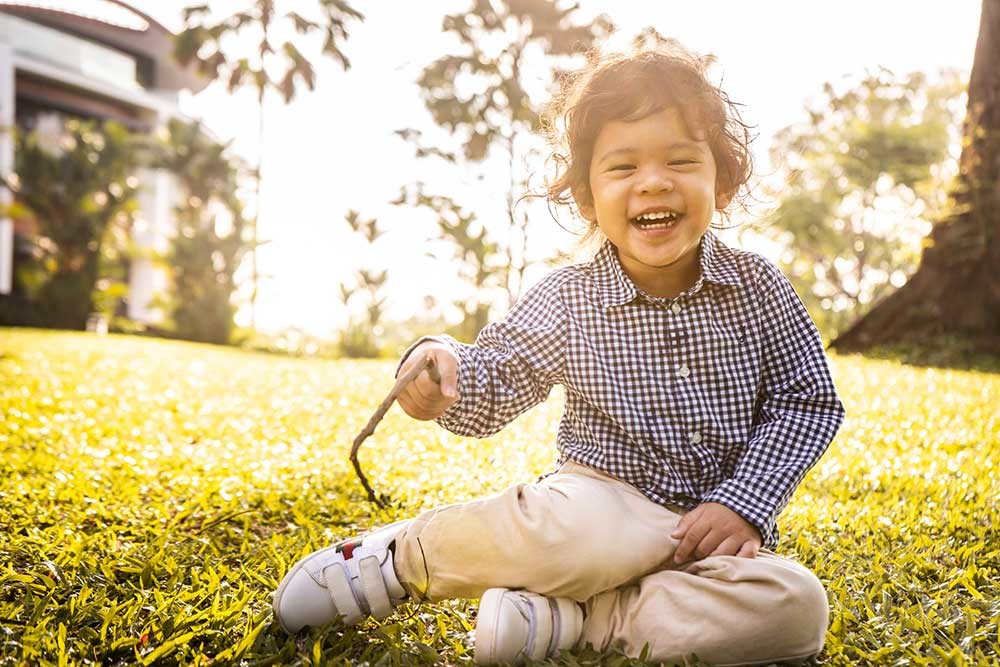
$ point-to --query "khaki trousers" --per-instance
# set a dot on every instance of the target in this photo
(585, 535)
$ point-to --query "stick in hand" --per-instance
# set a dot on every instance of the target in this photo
(401, 382)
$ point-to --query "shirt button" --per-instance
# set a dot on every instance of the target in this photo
(684, 371)
(696, 437)
(676, 308)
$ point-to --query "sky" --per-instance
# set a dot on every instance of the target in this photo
(334, 149)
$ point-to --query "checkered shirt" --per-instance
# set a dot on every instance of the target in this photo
(721, 394)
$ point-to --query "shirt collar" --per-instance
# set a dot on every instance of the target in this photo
(616, 288)
(718, 262)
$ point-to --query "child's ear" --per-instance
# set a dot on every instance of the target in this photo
(723, 197)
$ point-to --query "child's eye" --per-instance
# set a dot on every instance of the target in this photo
(682, 162)
(621, 167)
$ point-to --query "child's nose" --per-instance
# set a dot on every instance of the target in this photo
(655, 181)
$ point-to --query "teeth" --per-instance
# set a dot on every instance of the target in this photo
(660, 215)
(653, 220)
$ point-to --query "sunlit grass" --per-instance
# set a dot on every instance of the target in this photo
(153, 493)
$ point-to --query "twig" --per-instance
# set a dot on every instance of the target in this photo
(405, 379)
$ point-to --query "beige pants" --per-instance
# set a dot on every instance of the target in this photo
(585, 535)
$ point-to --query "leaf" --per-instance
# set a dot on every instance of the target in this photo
(298, 68)
(237, 74)
(193, 11)
(302, 25)
(166, 648)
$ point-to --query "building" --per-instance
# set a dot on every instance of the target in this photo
(99, 59)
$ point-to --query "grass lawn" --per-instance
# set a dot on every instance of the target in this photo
(153, 493)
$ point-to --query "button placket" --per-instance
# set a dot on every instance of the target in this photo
(682, 371)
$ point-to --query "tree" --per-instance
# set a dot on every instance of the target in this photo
(490, 93)
(479, 260)
(956, 290)
(75, 189)
(202, 41)
(859, 181)
(209, 243)
(361, 338)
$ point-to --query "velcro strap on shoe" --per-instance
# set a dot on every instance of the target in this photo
(556, 627)
(538, 649)
(376, 595)
(339, 584)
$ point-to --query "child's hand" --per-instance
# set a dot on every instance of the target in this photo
(424, 398)
(712, 529)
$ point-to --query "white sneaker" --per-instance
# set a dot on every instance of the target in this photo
(514, 626)
(353, 579)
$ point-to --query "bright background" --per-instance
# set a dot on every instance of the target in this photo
(334, 149)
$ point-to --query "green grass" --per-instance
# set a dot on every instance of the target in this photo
(152, 494)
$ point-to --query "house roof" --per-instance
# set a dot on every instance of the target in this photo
(117, 24)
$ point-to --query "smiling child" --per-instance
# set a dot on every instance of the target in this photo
(697, 397)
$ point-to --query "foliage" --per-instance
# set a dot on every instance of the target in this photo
(205, 38)
(78, 191)
(148, 510)
(209, 243)
(483, 91)
(202, 40)
(361, 338)
(861, 179)
(478, 258)
(489, 94)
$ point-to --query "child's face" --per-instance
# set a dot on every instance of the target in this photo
(654, 195)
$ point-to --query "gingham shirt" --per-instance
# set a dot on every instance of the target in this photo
(722, 394)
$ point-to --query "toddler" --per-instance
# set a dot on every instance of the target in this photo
(697, 397)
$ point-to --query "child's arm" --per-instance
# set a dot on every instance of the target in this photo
(511, 367)
(798, 413)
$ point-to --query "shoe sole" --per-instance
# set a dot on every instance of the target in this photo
(487, 620)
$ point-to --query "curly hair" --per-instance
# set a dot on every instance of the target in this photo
(629, 87)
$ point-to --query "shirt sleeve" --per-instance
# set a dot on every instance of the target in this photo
(798, 411)
(511, 367)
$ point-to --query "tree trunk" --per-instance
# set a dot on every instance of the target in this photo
(956, 290)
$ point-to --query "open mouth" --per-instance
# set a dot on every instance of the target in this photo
(658, 220)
